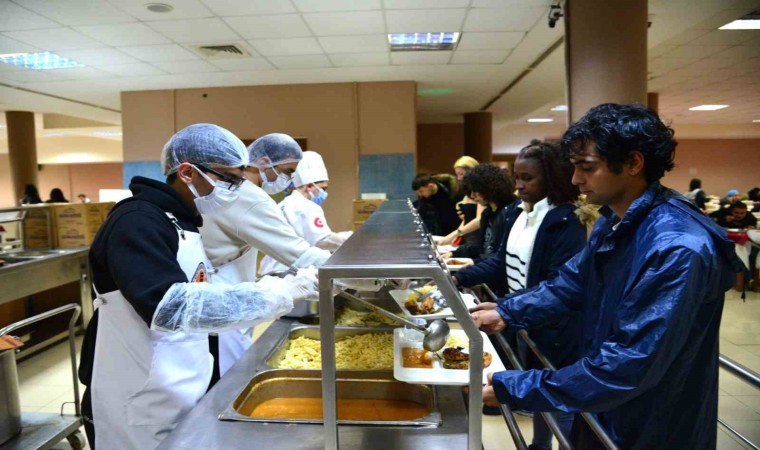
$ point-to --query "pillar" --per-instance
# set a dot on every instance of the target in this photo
(606, 53)
(22, 150)
(478, 136)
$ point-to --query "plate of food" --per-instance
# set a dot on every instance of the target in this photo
(427, 302)
(450, 365)
(454, 264)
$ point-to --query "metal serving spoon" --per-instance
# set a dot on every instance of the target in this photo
(436, 333)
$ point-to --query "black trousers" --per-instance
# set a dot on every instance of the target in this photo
(89, 428)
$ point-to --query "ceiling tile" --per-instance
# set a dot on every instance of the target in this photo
(490, 41)
(692, 52)
(243, 65)
(424, 20)
(186, 67)
(336, 5)
(511, 3)
(425, 4)
(156, 53)
(502, 19)
(360, 59)
(281, 47)
(686, 37)
(14, 17)
(300, 62)
(8, 45)
(268, 27)
(183, 9)
(78, 12)
(32, 76)
(98, 56)
(79, 73)
(480, 56)
(725, 37)
(355, 44)
(133, 70)
(247, 7)
(346, 23)
(122, 35)
(420, 58)
(659, 50)
(738, 53)
(54, 39)
(195, 30)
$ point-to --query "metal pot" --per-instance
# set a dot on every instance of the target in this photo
(10, 404)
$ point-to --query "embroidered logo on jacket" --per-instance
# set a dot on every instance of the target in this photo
(318, 223)
(200, 275)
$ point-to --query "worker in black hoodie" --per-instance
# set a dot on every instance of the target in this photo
(147, 354)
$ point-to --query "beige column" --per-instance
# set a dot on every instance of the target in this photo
(653, 101)
(606, 53)
(22, 150)
(478, 136)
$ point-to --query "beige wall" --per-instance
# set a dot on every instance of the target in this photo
(721, 164)
(439, 145)
(511, 138)
(6, 186)
(329, 116)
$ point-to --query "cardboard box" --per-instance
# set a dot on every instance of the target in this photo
(357, 225)
(38, 228)
(362, 209)
(77, 224)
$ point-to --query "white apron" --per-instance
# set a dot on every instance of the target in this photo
(234, 343)
(145, 381)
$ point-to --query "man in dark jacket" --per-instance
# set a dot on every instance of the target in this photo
(436, 204)
(650, 287)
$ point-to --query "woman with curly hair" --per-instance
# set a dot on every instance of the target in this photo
(492, 189)
(468, 210)
(542, 232)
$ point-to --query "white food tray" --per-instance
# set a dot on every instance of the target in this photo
(400, 297)
(437, 374)
(455, 267)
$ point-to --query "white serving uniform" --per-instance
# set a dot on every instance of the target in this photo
(150, 379)
(233, 239)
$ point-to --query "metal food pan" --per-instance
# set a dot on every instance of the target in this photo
(312, 332)
(382, 299)
(356, 385)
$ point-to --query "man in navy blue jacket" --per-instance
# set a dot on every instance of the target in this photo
(650, 287)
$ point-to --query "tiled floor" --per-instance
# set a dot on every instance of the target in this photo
(46, 381)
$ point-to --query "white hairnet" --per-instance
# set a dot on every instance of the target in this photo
(206, 144)
(205, 307)
(311, 169)
(274, 149)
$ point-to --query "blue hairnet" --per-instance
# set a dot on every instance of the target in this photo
(274, 149)
(203, 143)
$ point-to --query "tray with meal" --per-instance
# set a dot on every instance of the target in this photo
(426, 302)
(450, 365)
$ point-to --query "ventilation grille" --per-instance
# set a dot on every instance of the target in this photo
(221, 51)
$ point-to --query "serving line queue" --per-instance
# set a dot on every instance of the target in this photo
(648, 288)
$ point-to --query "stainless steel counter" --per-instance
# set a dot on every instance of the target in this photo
(202, 429)
(35, 271)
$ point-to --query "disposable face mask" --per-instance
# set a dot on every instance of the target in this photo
(320, 197)
(219, 199)
(274, 187)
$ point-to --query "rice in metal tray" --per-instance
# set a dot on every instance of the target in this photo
(369, 351)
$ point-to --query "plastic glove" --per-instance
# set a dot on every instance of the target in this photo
(304, 286)
(205, 307)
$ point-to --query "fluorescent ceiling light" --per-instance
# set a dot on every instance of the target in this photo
(749, 22)
(434, 92)
(540, 120)
(54, 134)
(707, 107)
(754, 121)
(560, 108)
(39, 61)
(423, 41)
(106, 133)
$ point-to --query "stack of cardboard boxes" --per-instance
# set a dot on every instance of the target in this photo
(71, 224)
(363, 209)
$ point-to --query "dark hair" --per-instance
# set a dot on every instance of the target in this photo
(738, 205)
(421, 180)
(695, 183)
(558, 172)
(31, 195)
(753, 193)
(492, 183)
(465, 188)
(56, 196)
(618, 130)
(171, 178)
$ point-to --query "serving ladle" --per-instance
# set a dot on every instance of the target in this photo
(436, 333)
